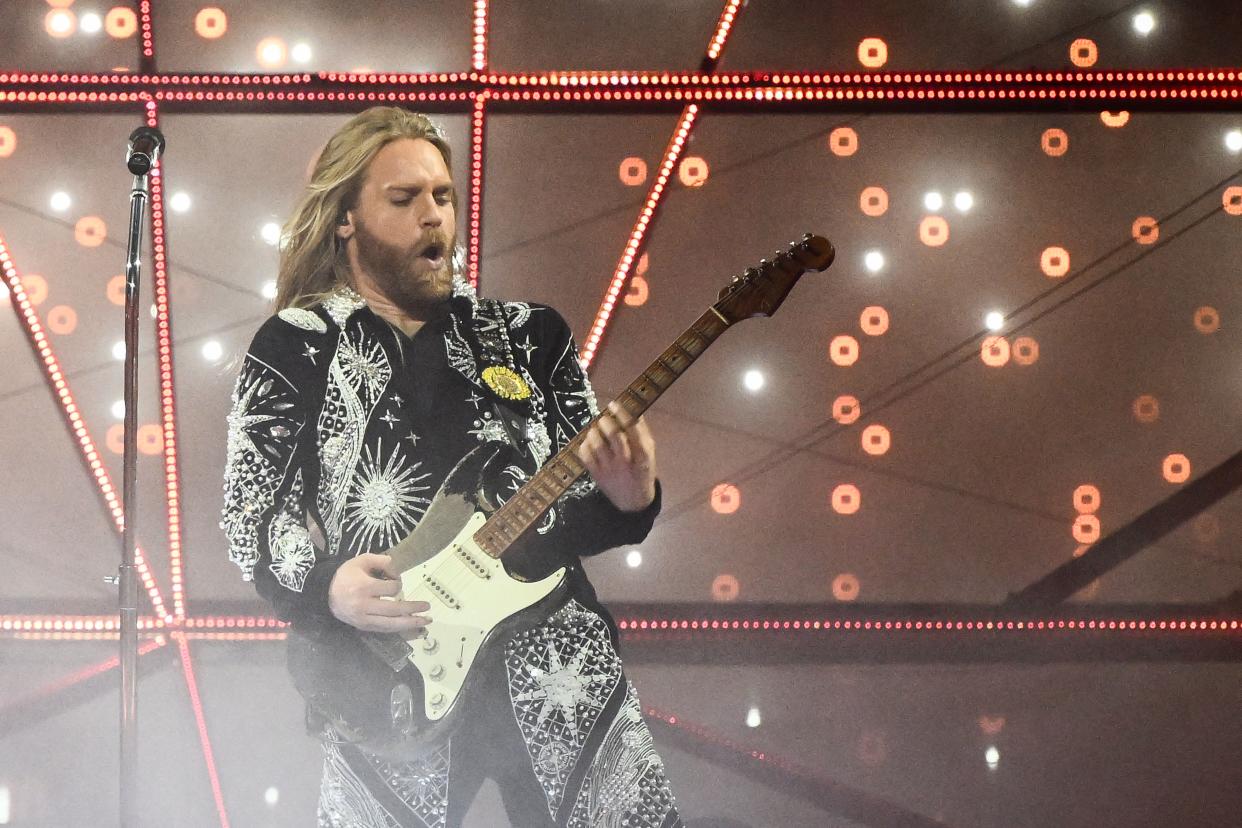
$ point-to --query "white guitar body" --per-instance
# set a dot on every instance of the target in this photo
(470, 595)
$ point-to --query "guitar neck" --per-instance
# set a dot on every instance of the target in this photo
(529, 503)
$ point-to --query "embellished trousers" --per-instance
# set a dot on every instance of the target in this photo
(557, 726)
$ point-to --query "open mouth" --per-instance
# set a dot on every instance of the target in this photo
(433, 253)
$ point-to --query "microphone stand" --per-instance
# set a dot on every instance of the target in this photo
(139, 162)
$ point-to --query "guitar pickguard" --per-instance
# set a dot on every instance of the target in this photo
(471, 595)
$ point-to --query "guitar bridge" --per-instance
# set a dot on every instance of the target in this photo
(393, 649)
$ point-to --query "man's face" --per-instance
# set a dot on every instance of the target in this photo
(402, 232)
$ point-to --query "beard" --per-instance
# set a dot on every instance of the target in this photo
(402, 275)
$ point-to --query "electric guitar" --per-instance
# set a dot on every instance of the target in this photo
(401, 697)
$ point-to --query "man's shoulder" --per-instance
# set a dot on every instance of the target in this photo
(314, 315)
(290, 334)
(294, 322)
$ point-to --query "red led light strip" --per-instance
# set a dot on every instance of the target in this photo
(620, 79)
(168, 408)
(638, 626)
(75, 623)
(951, 90)
(208, 622)
(268, 627)
(479, 52)
(472, 82)
(33, 329)
(148, 39)
(477, 119)
(672, 155)
(79, 676)
(706, 735)
(723, 26)
(187, 668)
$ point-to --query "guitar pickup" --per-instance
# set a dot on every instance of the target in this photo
(472, 561)
(440, 591)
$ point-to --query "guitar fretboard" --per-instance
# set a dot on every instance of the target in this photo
(529, 503)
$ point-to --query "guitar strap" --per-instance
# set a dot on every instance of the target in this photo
(491, 330)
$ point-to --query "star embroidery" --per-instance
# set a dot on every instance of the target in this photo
(310, 352)
(388, 418)
(562, 688)
(397, 399)
(413, 438)
(474, 399)
(527, 347)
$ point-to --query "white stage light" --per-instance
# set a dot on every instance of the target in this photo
(1144, 23)
(994, 320)
(61, 201)
(874, 260)
(992, 757)
(118, 409)
(753, 380)
(271, 233)
(180, 202)
(118, 349)
(91, 23)
(1233, 140)
(634, 559)
(271, 796)
(60, 22)
(272, 54)
(752, 717)
(963, 201)
(269, 289)
(301, 53)
(212, 350)
(933, 201)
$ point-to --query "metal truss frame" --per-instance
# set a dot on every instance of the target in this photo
(1021, 629)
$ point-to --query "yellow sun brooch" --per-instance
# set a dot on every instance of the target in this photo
(506, 382)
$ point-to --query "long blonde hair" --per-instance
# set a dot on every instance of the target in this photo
(312, 260)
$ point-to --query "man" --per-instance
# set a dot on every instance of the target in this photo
(379, 372)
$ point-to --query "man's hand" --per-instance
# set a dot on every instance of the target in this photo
(619, 452)
(362, 594)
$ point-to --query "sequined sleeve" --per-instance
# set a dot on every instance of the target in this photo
(590, 523)
(264, 515)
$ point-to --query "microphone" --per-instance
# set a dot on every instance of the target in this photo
(145, 145)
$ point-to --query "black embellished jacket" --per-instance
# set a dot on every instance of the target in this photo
(343, 428)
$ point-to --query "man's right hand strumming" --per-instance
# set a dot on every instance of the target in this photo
(363, 594)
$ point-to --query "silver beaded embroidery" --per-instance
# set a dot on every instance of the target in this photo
(262, 426)
(387, 498)
(561, 675)
(289, 542)
(303, 319)
(626, 784)
(341, 304)
(421, 786)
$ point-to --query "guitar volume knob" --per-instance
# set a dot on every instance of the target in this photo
(437, 700)
(430, 645)
(437, 671)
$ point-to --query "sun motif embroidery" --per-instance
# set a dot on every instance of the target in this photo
(385, 499)
(365, 366)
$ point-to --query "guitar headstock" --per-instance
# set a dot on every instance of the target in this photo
(760, 290)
